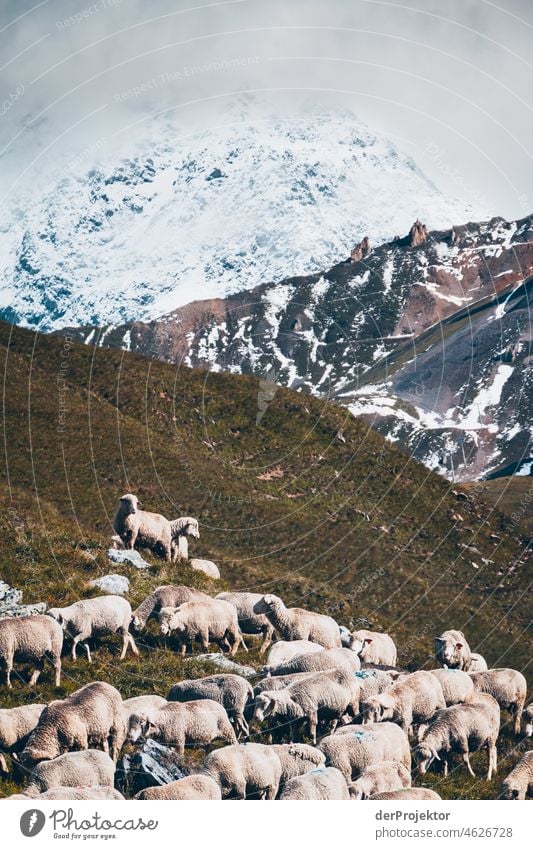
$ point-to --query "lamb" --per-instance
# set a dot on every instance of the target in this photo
(374, 647)
(169, 595)
(413, 699)
(457, 686)
(244, 770)
(380, 778)
(91, 717)
(140, 529)
(321, 784)
(297, 624)
(204, 621)
(231, 691)
(327, 695)
(73, 769)
(145, 706)
(355, 747)
(507, 686)
(177, 724)
(31, 639)
(16, 724)
(527, 716)
(453, 651)
(94, 617)
(180, 529)
(461, 729)
(282, 651)
(409, 793)
(297, 759)
(190, 787)
(519, 782)
(79, 793)
(320, 661)
(250, 622)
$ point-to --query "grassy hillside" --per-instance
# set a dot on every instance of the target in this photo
(309, 503)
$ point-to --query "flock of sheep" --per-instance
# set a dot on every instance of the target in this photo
(367, 719)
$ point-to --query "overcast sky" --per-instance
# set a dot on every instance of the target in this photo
(450, 82)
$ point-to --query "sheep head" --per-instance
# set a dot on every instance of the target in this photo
(377, 708)
(267, 603)
(356, 791)
(57, 614)
(424, 757)
(129, 503)
(169, 621)
(139, 728)
(357, 642)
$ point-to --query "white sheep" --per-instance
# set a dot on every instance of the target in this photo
(326, 695)
(141, 529)
(295, 623)
(168, 595)
(296, 759)
(461, 729)
(354, 747)
(16, 724)
(80, 793)
(177, 724)
(180, 529)
(204, 621)
(190, 787)
(374, 647)
(146, 706)
(519, 782)
(250, 622)
(407, 794)
(344, 659)
(31, 639)
(457, 686)
(527, 716)
(323, 783)
(284, 650)
(477, 663)
(96, 617)
(372, 682)
(91, 717)
(507, 686)
(73, 769)
(231, 691)
(244, 770)
(453, 651)
(380, 778)
(207, 567)
(413, 699)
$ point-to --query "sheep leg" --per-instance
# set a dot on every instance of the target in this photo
(132, 645)
(3, 764)
(36, 672)
(466, 759)
(313, 722)
(242, 726)
(518, 708)
(87, 649)
(204, 640)
(9, 669)
(268, 633)
(270, 792)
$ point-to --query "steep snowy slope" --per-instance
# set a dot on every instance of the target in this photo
(185, 218)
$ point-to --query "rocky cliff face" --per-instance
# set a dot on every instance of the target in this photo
(428, 336)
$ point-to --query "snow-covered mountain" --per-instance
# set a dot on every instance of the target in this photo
(184, 218)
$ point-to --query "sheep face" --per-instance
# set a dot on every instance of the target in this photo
(32, 756)
(136, 624)
(356, 791)
(357, 643)
(509, 792)
(424, 757)
(264, 706)
(528, 721)
(377, 709)
(129, 504)
(168, 621)
(139, 728)
(266, 604)
(448, 650)
(55, 613)
(191, 529)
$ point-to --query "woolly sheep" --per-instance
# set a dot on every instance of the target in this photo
(413, 699)
(296, 759)
(457, 686)
(477, 663)
(250, 622)
(180, 529)
(379, 778)
(243, 770)
(527, 716)
(178, 724)
(327, 695)
(282, 651)
(204, 621)
(73, 769)
(453, 651)
(92, 716)
(372, 682)
(31, 639)
(168, 595)
(140, 529)
(354, 747)
(146, 706)
(16, 724)
(190, 787)
(519, 782)
(231, 691)
(95, 617)
(324, 783)
(374, 647)
(294, 623)
(206, 566)
(409, 793)
(344, 659)
(461, 729)
(80, 793)
(507, 686)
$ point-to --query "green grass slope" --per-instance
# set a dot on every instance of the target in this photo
(309, 503)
